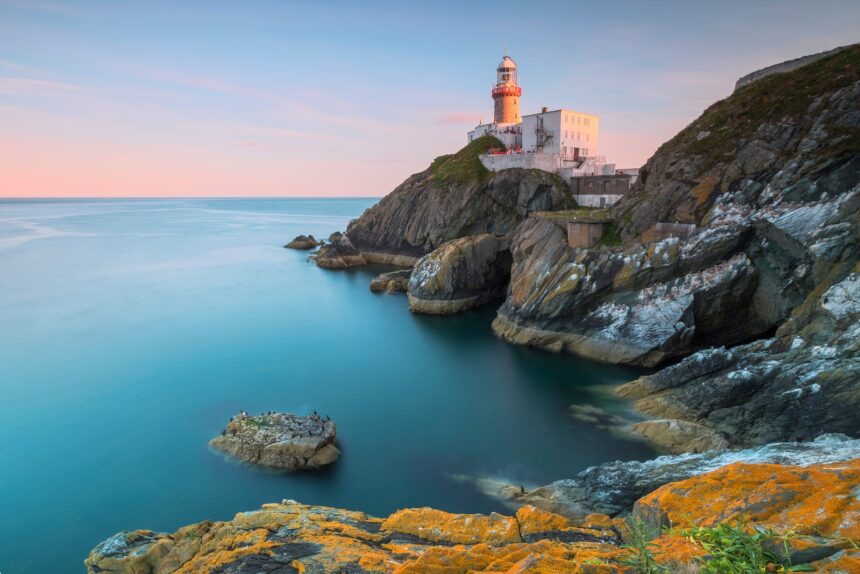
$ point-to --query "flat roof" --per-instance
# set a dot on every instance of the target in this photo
(562, 110)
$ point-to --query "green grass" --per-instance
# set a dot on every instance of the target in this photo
(737, 549)
(464, 166)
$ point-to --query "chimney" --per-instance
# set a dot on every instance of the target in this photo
(544, 110)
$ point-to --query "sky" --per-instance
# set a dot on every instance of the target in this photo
(327, 98)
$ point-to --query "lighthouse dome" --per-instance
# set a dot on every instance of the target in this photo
(507, 62)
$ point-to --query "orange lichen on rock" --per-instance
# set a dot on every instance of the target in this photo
(227, 549)
(437, 526)
(820, 500)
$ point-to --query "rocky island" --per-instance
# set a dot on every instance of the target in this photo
(279, 440)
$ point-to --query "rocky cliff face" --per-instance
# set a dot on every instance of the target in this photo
(455, 197)
(770, 178)
(812, 512)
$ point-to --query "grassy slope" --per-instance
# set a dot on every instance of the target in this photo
(768, 100)
(464, 166)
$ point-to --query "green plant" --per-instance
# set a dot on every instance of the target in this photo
(639, 543)
(611, 237)
(734, 548)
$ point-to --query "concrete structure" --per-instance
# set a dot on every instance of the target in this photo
(599, 190)
(585, 232)
(784, 67)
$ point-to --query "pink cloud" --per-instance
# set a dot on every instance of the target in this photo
(36, 87)
(460, 118)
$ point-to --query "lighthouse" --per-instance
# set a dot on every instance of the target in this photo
(506, 93)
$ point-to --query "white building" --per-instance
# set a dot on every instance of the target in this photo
(570, 134)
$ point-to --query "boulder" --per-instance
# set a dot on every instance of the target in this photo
(279, 440)
(391, 282)
(339, 254)
(303, 242)
(460, 274)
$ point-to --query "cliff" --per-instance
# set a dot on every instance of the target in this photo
(770, 178)
(743, 515)
(455, 197)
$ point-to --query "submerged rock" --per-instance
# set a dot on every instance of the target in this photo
(339, 254)
(391, 282)
(279, 440)
(459, 275)
(817, 502)
(303, 242)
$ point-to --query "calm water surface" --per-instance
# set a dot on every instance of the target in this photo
(130, 331)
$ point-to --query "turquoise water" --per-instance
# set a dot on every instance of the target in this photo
(131, 330)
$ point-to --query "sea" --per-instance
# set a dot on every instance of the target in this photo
(131, 330)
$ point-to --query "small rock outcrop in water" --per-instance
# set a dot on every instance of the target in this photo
(303, 242)
(391, 282)
(818, 502)
(339, 254)
(280, 440)
(455, 197)
(459, 275)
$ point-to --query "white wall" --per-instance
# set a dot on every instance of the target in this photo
(569, 130)
(545, 161)
(593, 200)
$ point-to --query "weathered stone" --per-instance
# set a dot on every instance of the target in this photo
(459, 275)
(680, 436)
(391, 282)
(279, 440)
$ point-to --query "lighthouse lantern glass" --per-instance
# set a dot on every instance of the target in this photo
(507, 75)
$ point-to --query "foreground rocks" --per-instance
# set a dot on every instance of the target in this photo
(303, 242)
(813, 510)
(279, 440)
(459, 275)
(339, 254)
